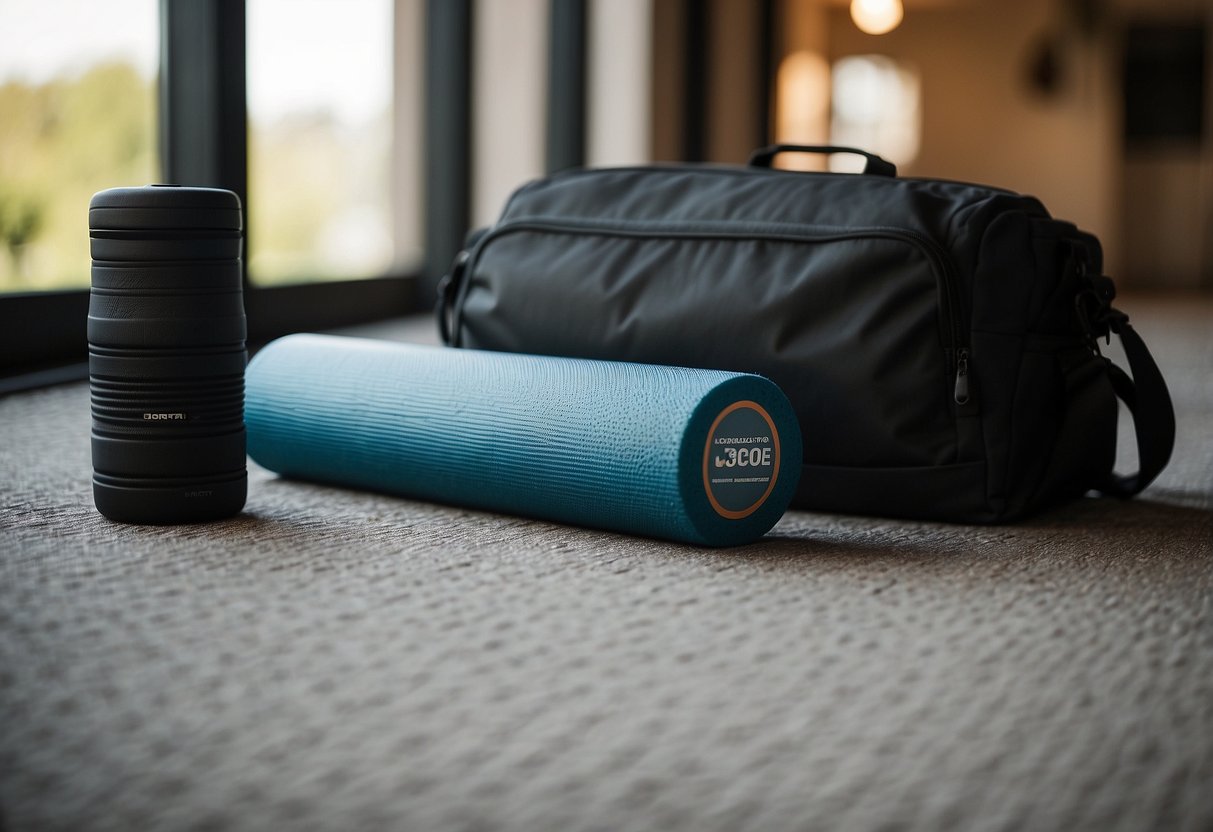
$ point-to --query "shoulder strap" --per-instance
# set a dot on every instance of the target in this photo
(1149, 403)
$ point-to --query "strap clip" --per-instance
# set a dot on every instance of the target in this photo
(1093, 306)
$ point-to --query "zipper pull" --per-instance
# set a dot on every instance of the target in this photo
(961, 391)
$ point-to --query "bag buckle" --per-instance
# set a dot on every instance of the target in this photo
(1093, 306)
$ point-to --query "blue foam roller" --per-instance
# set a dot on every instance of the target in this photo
(700, 456)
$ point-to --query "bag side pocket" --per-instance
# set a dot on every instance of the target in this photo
(1066, 415)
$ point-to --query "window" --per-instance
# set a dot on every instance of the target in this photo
(876, 106)
(180, 114)
(1164, 84)
(77, 115)
(187, 73)
(321, 141)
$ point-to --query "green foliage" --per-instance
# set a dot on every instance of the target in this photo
(61, 142)
(21, 220)
(316, 188)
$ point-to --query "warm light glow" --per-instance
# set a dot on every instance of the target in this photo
(802, 108)
(876, 16)
(877, 106)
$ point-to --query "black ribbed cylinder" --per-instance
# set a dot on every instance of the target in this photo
(166, 332)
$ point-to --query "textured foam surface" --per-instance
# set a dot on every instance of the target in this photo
(335, 659)
(596, 443)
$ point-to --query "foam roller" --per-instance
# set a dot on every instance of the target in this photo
(700, 456)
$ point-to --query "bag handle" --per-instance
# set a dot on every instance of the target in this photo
(875, 166)
(448, 291)
(1149, 403)
(449, 287)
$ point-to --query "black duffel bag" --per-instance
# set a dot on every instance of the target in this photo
(939, 340)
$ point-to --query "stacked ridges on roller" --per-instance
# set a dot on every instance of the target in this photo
(166, 332)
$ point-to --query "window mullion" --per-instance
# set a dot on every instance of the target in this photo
(203, 100)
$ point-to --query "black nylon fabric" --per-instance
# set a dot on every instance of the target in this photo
(924, 330)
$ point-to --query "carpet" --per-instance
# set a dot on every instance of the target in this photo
(333, 659)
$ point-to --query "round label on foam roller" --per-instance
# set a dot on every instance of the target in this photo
(741, 460)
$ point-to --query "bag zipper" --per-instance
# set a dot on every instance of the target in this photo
(940, 260)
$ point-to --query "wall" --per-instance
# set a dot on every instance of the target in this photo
(735, 119)
(408, 102)
(802, 82)
(982, 122)
(619, 82)
(509, 100)
(732, 80)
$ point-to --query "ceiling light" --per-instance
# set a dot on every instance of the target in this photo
(876, 16)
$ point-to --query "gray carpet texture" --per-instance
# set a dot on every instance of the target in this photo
(332, 659)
